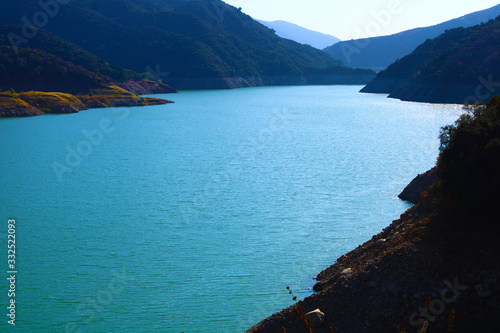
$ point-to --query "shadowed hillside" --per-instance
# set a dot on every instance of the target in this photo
(42, 79)
(462, 65)
(193, 43)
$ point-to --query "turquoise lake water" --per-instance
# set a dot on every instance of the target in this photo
(194, 216)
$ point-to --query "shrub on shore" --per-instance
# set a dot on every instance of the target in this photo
(469, 162)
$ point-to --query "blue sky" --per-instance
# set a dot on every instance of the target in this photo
(349, 18)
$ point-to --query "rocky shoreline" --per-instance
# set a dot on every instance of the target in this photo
(418, 272)
(35, 103)
(438, 93)
(411, 192)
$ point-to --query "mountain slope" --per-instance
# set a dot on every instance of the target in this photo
(53, 64)
(193, 43)
(459, 66)
(380, 52)
(31, 69)
(50, 43)
(300, 34)
(51, 70)
(47, 83)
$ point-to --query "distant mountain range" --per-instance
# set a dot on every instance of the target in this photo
(460, 66)
(379, 52)
(188, 44)
(300, 34)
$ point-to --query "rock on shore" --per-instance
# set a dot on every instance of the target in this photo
(420, 270)
(412, 192)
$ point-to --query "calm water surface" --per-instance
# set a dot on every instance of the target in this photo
(192, 217)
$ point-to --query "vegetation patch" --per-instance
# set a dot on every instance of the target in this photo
(114, 96)
(469, 160)
(13, 106)
(459, 66)
(34, 103)
(53, 102)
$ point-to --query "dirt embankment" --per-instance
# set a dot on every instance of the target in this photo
(423, 270)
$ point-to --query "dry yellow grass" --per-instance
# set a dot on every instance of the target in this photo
(50, 102)
(35, 102)
(13, 106)
(9, 100)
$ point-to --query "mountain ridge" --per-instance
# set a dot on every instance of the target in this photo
(379, 52)
(196, 43)
(460, 66)
(300, 34)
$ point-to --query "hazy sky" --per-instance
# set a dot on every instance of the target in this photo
(348, 19)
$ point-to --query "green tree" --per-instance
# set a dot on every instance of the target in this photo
(469, 162)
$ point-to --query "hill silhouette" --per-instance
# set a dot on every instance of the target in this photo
(379, 52)
(300, 34)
